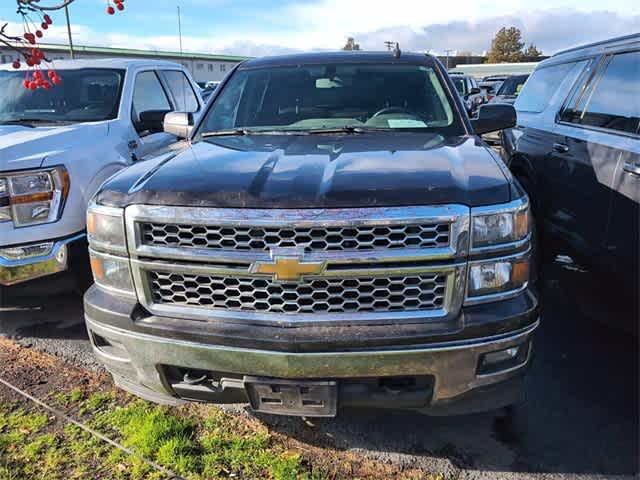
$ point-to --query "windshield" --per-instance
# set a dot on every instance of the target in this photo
(86, 95)
(513, 85)
(339, 96)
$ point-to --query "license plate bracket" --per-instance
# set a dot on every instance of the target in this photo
(303, 398)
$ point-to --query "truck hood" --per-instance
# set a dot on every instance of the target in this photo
(317, 171)
(25, 147)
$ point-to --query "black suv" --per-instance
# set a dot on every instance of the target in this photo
(576, 150)
(333, 234)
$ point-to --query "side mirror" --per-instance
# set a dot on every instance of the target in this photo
(493, 117)
(151, 121)
(475, 91)
(179, 124)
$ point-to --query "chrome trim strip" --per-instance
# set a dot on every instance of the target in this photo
(4, 262)
(456, 215)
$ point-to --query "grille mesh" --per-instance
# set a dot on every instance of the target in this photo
(331, 295)
(311, 239)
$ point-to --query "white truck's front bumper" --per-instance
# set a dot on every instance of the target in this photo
(22, 263)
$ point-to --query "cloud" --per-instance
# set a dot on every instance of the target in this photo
(550, 30)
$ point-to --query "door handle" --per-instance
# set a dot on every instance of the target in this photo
(632, 168)
(561, 147)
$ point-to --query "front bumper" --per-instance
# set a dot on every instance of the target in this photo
(142, 360)
(62, 266)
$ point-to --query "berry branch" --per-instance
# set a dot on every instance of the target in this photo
(36, 21)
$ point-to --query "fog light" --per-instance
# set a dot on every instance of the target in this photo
(27, 251)
(501, 360)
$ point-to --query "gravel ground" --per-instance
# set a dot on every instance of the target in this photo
(583, 403)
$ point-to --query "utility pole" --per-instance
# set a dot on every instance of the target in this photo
(448, 52)
(180, 29)
(66, 14)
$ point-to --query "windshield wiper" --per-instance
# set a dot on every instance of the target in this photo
(28, 122)
(244, 131)
(226, 133)
(347, 129)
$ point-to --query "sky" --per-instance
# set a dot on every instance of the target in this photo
(255, 28)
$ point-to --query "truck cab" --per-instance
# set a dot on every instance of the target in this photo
(334, 234)
(58, 145)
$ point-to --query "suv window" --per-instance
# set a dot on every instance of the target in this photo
(540, 87)
(614, 100)
(183, 94)
(148, 94)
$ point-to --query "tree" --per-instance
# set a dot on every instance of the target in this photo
(506, 46)
(351, 45)
(36, 21)
(532, 51)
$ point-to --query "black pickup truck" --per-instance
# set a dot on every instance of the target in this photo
(332, 233)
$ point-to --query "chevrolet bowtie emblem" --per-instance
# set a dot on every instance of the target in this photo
(288, 268)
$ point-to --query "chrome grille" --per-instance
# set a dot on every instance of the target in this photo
(309, 239)
(422, 292)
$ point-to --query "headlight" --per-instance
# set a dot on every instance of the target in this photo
(108, 250)
(492, 227)
(504, 275)
(105, 228)
(111, 272)
(34, 197)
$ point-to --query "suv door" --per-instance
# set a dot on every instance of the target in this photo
(614, 108)
(149, 95)
(595, 131)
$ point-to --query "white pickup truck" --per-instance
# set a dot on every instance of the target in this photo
(58, 146)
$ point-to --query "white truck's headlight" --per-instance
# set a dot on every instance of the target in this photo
(497, 276)
(108, 250)
(493, 227)
(33, 197)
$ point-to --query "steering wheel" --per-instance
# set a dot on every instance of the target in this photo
(388, 110)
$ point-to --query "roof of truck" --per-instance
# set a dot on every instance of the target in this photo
(116, 63)
(339, 57)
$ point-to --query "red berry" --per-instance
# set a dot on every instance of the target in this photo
(46, 85)
(44, 25)
(51, 73)
(39, 34)
(37, 75)
(111, 10)
(16, 64)
(30, 62)
(26, 83)
(56, 80)
(33, 86)
(120, 6)
(47, 19)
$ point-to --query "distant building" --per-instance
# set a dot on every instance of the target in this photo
(203, 67)
(480, 70)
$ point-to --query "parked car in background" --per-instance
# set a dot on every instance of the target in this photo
(490, 85)
(335, 235)
(469, 91)
(510, 89)
(576, 150)
(57, 146)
